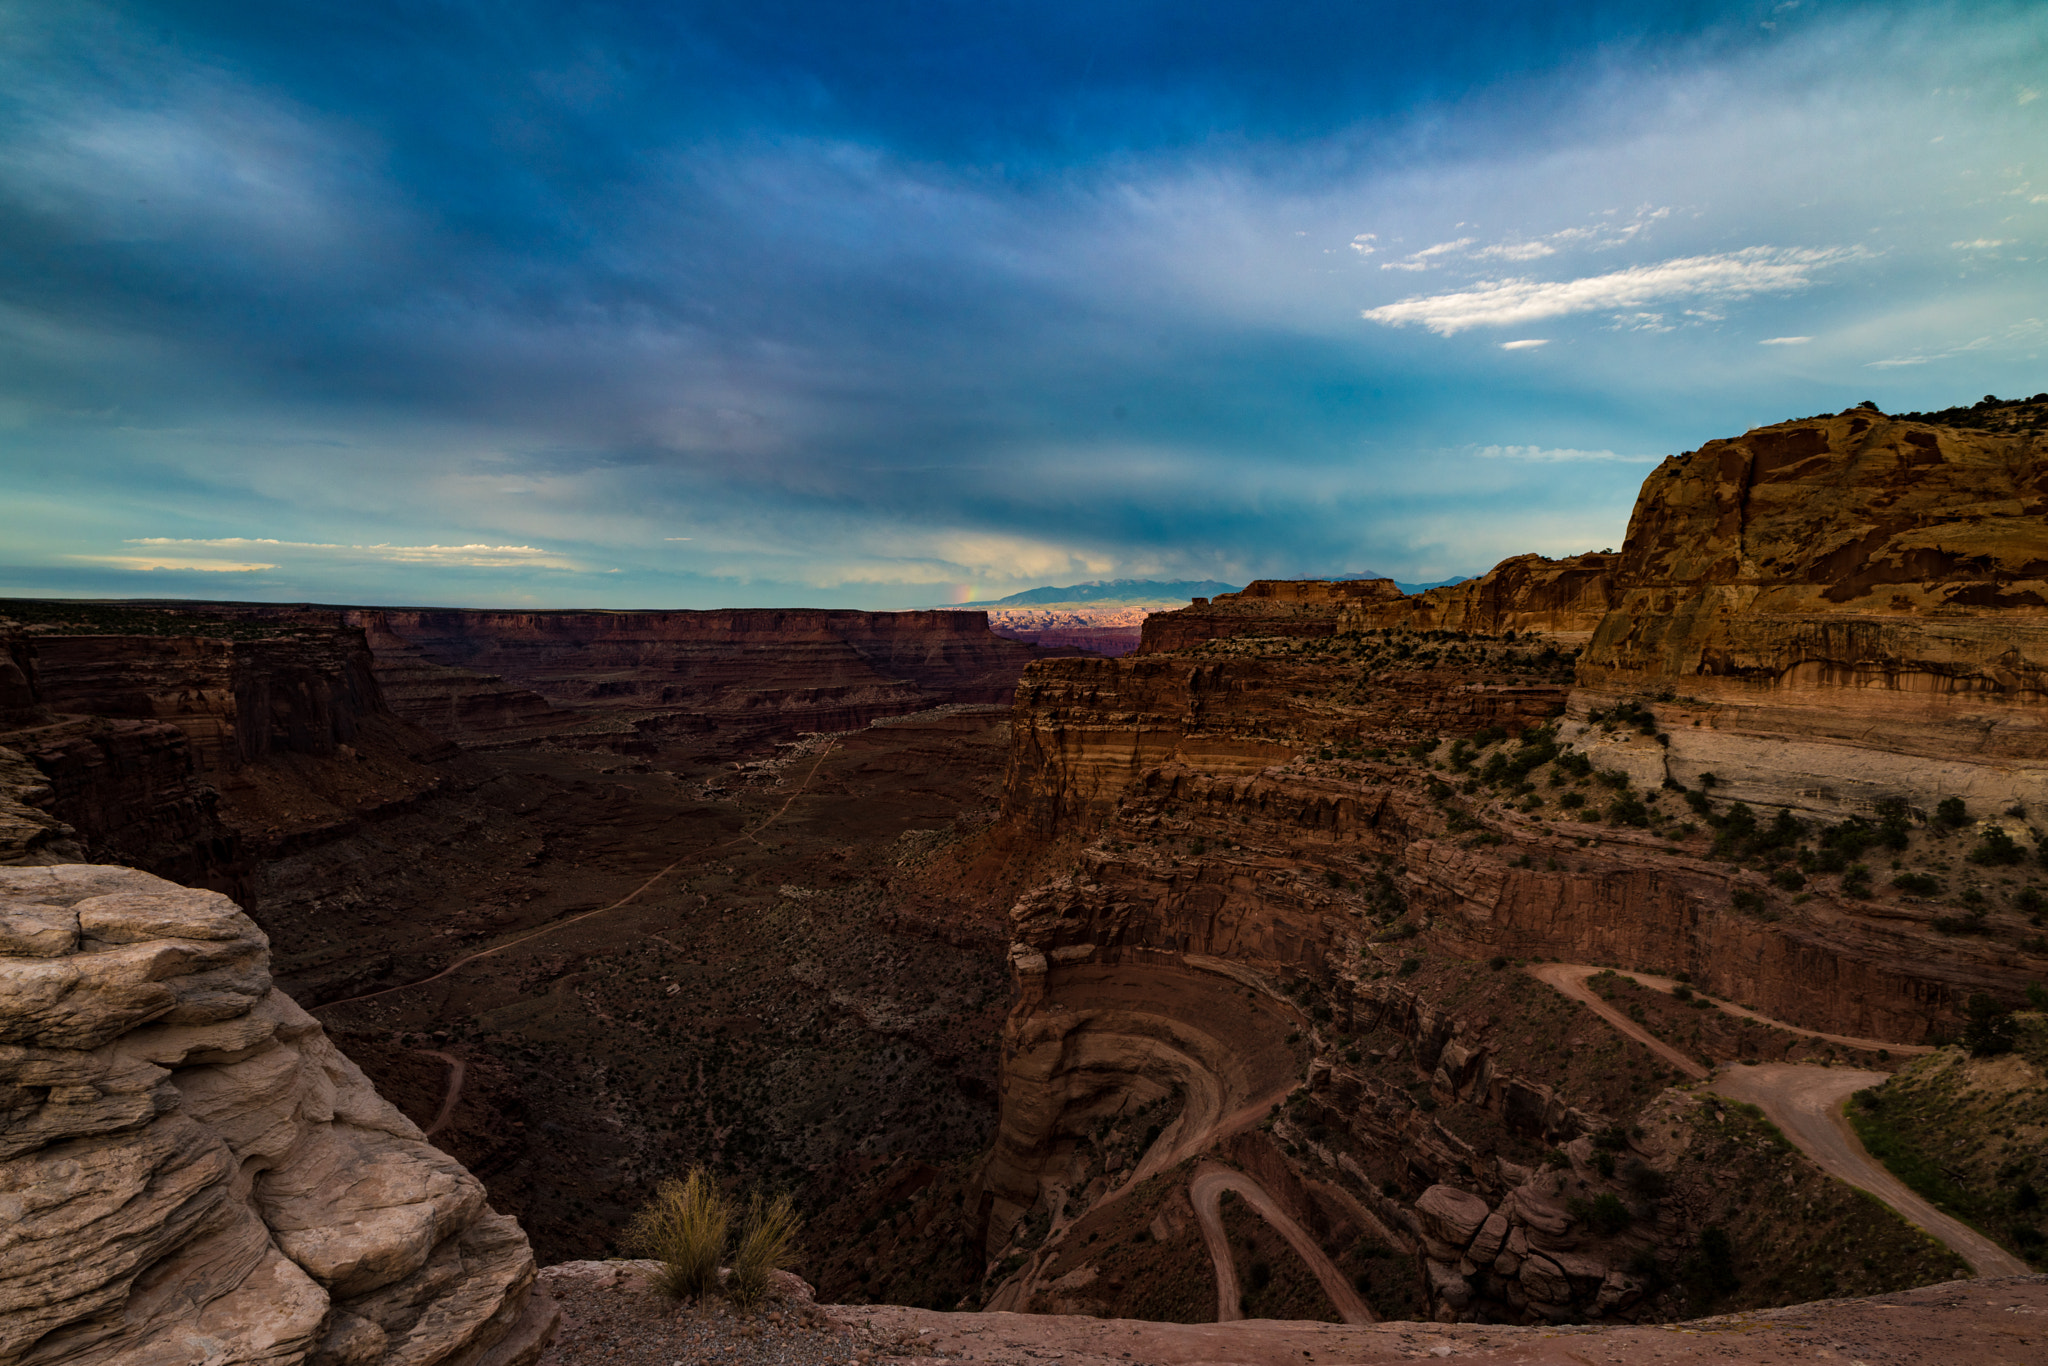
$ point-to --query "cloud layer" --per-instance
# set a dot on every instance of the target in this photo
(789, 302)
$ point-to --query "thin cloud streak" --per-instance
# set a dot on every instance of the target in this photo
(1728, 275)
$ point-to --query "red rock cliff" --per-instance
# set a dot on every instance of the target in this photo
(740, 672)
(1837, 611)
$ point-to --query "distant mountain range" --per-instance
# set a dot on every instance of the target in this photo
(1153, 592)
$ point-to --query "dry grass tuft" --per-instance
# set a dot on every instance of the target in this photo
(767, 1244)
(684, 1227)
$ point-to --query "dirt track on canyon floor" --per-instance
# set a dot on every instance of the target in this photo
(1206, 1193)
(1805, 1102)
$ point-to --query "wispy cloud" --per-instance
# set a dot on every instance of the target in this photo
(1429, 257)
(1515, 251)
(199, 563)
(1784, 341)
(1525, 344)
(1547, 453)
(474, 556)
(1727, 275)
(2027, 332)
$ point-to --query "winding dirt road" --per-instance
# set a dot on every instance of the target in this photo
(1557, 974)
(1206, 1192)
(1806, 1103)
(1570, 978)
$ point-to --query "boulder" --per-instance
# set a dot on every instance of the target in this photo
(1451, 1216)
(190, 1171)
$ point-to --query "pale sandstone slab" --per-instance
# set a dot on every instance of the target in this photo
(190, 1172)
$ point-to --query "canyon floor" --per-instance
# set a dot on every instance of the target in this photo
(769, 965)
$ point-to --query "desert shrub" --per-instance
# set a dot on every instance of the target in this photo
(1628, 809)
(767, 1244)
(1969, 922)
(1951, 813)
(1645, 1180)
(1574, 765)
(1497, 962)
(684, 1227)
(1789, 879)
(1709, 1270)
(1856, 880)
(1610, 1215)
(1895, 820)
(1571, 800)
(1988, 1030)
(1997, 848)
(1748, 900)
(1408, 967)
(1918, 884)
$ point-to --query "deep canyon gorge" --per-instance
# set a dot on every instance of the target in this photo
(1339, 955)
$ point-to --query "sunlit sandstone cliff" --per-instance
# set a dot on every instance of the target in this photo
(190, 1171)
(1837, 611)
(1564, 598)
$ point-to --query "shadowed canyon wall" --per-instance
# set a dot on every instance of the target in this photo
(742, 675)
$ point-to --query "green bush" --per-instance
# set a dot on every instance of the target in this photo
(684, 1228)
(1918, 884)
(1997, 848)
(1951, 813)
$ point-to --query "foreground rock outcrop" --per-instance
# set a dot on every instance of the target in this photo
(191, 1172)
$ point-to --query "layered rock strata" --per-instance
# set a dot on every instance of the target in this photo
(1828, 614)
(188, 753)
(825, 670)
(1564, 598)
(1831, 613)
(192, 1172)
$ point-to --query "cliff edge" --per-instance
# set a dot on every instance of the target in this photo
(190, 1171)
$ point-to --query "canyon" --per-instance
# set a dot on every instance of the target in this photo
(1068, 983)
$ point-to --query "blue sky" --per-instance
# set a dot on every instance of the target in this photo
(889, 304)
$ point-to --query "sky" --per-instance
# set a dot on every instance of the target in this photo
(905, 302)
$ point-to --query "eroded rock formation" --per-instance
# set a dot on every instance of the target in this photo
(744, 674)
(189, 1170)
(1300, 794)
(1834, 612)
(1564, 598)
